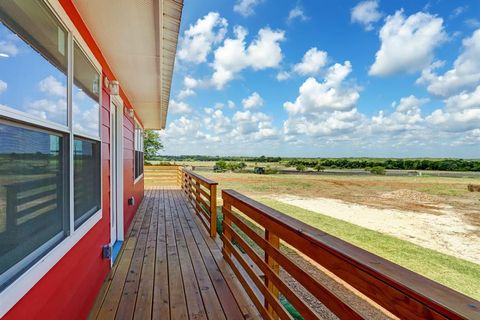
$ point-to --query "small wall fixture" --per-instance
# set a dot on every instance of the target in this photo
(131, 113)
(114, 87)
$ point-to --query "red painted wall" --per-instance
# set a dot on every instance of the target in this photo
(69, 290)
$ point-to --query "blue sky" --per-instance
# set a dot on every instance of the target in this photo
(327, 78)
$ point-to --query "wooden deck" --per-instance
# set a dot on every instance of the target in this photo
(170, 268)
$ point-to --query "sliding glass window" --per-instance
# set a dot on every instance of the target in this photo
(34, 152)
(46, 139)
(86, 123)
(138, 146)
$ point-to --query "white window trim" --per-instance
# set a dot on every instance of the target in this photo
(12, 294)
(23, 284)
(140, 177)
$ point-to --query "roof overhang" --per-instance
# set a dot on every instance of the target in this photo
(139, 40)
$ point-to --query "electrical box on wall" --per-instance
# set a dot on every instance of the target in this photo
(131, 201)
(107, 252)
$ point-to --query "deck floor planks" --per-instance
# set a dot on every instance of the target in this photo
(170, 268)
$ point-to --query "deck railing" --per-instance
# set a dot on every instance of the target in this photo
(202, 193)
(403, 293)
(164, 175)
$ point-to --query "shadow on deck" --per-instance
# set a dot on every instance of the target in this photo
(170, 268)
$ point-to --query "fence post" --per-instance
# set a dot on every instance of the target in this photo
(213, 210)
(275, 242)
(226, 235)
(197, 197)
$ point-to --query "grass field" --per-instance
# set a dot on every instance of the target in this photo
(453, 272)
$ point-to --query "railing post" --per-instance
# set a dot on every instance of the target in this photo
(197, 197)
(213, 210)
(179, 180)
(226, 235)
(275, 242)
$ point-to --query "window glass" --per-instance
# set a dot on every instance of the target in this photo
(86, 179)
(85, 96)
(138, 152)
(33, 61)
(33, 197)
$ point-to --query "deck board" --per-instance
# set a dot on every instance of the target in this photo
(169, 268)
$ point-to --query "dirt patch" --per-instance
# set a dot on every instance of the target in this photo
(447, 232)
(412, 196)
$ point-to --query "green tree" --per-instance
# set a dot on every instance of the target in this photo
(152, 144)
(378, 170)
(221, 165)
(319, 167)
(301, 167)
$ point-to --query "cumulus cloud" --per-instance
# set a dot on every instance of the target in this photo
(460, 121)
(246, 7)
(198, 39)
(53, 87)
(179, 107)
(407, 43)
(8, 49)
(3, 86)
(312, 62)
(231, 104)
(330, 94)
(464, 75)
(253, 101)
(366, 13)
(407, 116)
(297, 13)
(283, 75)
(234, 56)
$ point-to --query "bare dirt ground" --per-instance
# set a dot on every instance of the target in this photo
(444, 230)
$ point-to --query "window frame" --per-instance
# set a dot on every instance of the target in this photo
(20, 286)
(140, 177)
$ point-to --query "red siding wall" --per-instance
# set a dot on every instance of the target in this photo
(69, 290)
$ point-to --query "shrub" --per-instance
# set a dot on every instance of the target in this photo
(301, 167)
(378, 170)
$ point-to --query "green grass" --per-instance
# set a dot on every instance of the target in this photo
(458, 274)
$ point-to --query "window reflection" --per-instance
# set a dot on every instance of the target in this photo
(31, 82)
(33, 210)
(85, 95)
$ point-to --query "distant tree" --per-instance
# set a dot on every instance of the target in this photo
(378, 170)
(242, 165)
(301, 167)
(221, 165)
(319, 167)
(152, 144)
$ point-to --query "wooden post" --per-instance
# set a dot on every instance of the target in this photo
(213, 211)
(197, 198)
(227, 236)
(275, 242)
(179, 175)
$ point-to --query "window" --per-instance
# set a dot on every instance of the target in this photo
(86, 108)
(86, 179)
(33, 196)
(49, 165)
(138, 143)
(34, 71)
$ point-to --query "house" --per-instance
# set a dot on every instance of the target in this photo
(79, 82)
(80, 236)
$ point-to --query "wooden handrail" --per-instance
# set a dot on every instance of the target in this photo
(402, 292)
(202, 193)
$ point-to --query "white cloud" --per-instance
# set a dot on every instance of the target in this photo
(253, 101)
(231, 104)
(3, 86)
(197, 41)
(312, 62)
(330, 94)
(408, 43)
(8, 49)
(460, 121)
(283, 75)
(233, 56)
(185, 93)
(458, 11)
(366, 13)
(52, 110)
(464, 75)
(179, 107)
(246, 7)
(407, 116)
(473, 23)
(51, 86)
(297, 13)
